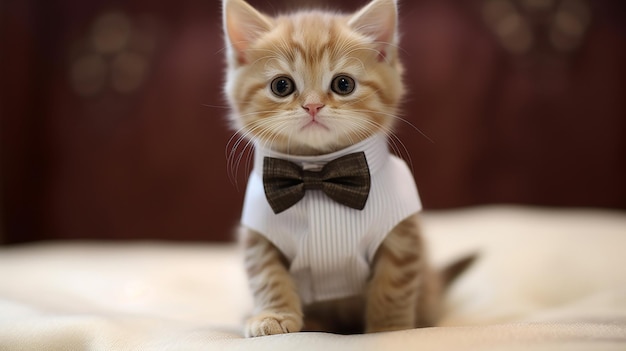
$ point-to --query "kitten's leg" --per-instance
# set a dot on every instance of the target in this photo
(277, 305)
(396, 282)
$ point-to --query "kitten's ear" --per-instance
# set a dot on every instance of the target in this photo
(243, 24)
(378, 21)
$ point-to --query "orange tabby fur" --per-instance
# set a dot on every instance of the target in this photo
(312, 47)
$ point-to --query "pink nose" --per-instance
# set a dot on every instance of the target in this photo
(313, 108)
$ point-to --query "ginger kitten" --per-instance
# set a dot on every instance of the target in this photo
(309, 88)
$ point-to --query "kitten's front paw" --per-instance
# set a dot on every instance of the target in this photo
(270, 323)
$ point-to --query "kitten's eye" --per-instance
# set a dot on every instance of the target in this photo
(282, 86)
(342, 85)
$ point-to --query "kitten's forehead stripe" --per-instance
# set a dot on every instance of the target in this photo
(316, 49)
(301, 29)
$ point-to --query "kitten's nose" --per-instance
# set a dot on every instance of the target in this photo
(313, 108)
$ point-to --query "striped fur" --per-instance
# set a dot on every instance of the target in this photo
(277, 305)
(313, 47)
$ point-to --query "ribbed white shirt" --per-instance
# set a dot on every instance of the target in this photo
(330, 247)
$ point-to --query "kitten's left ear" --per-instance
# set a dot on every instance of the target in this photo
(378, 21)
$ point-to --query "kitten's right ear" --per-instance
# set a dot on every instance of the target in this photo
(243, 25)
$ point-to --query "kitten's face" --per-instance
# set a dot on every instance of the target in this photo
(312, 82)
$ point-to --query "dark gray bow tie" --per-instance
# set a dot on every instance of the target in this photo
(346, 180)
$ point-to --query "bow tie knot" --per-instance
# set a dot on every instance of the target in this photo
(346, 180)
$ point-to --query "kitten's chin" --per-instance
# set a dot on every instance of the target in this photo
(313, 140)
(301, 146)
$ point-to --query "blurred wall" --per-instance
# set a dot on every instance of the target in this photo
(113, 125)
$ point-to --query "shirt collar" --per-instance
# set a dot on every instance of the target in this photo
(374, 147)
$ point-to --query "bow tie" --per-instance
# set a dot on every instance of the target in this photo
(346, 180)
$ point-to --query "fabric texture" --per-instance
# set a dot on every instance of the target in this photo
(330, 246)
(346, 180)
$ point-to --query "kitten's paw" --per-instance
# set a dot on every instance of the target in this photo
(270, 323)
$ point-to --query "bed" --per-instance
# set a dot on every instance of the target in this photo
(546, 279)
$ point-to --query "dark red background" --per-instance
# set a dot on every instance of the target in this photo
(541, 128)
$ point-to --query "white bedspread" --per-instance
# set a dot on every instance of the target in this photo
(547, 279)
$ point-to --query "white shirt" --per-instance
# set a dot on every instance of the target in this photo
(330, 247)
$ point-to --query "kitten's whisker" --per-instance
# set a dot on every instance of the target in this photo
(401, 120)
(364, 129)
(234, 157)
(216, 106)
(232, 160)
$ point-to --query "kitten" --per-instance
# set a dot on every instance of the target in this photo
(303, 86)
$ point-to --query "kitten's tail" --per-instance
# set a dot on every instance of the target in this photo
(452, 271)
(432, 307)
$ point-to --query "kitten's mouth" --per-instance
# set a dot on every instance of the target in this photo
(314, 124)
